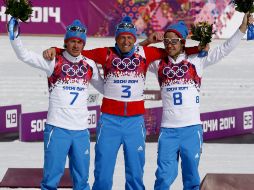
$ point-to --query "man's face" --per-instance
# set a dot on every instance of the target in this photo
(173, 45)
(74, 47)
(125, 42)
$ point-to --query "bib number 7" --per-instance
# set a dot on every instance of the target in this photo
(74, 98)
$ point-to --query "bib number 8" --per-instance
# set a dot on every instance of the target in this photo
(177, 96)
(197, 99)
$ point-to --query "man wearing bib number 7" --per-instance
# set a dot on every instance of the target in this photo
(179, 76)
(66, 132)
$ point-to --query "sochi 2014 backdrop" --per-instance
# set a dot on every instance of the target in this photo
(101, 17)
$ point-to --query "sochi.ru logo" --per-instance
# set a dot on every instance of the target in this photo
(73, 70)
(122, 64)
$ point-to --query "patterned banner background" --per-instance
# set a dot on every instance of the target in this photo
(50, 17)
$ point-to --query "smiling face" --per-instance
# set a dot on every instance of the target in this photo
(173, 45)
(74, 47)
(125, 42)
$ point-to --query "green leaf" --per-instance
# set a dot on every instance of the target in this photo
(20, 9)
(202, 32)
(244, 5)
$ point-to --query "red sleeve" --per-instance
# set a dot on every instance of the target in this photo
(98, 55)
(191, 50)
(154, 53)
(58, 50)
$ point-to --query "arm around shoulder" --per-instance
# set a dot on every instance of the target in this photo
(152, 38)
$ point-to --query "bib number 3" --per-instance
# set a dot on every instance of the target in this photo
(126, 91)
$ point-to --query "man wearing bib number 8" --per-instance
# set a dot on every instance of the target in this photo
(66, 132)
(179, 77)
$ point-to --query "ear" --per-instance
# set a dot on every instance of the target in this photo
(182, 46)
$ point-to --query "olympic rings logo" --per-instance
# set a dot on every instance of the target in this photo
(74, 70)
(177, 71)
(126, 63)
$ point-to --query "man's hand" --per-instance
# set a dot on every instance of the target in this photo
(247, 19)
(250, 19)
(204, 48)
(49, 54)
(156, 37)
(153, 38)
(13, 28)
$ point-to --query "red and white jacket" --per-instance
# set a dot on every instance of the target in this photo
(68, 81)
(180, 82)
(124, 78)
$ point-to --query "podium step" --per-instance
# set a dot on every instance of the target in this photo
(228, 182)
(30, 178)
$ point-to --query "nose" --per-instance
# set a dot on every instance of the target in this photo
(125, 40)
(75, 45)
(169, 45)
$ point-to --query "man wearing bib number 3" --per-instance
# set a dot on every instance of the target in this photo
(121, 123)
(179, 77)
(66, 132)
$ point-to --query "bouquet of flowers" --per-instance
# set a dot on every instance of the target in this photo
(202, 32)
(19, 10)
(246, 6)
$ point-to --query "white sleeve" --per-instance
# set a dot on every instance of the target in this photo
(31, 58)
(216, 54)
(97, 81)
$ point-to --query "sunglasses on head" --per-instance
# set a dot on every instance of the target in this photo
(172, 41)
(125, 25)
(76, 29)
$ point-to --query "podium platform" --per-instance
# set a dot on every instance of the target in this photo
(214, 181)
(30, 178)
